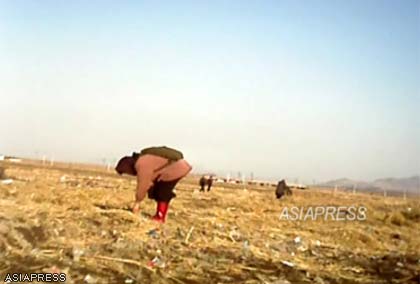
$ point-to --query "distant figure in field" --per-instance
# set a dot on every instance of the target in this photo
(209, 183)
(202, 183)
(282, 189)
(205, 180)
(158, 170)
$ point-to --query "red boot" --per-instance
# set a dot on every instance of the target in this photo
(161, 210)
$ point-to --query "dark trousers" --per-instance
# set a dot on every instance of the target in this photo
(163, 191)
(202, 186)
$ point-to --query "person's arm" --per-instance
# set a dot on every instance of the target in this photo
(144, 183)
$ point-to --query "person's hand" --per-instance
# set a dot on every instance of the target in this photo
(136, 207)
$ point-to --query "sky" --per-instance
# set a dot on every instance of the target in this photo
(304, 90)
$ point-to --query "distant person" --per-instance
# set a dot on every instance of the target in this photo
(202, 182)
(158, 170)
(282, 189)
(209, 183)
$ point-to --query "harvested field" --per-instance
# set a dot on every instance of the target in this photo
(78, 221)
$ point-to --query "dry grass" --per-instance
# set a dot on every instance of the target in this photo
(81, 224)
(2, 173)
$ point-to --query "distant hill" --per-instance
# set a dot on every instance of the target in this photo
(409, 184)
(346, 183)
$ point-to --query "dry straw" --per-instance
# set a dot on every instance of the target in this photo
(77, 220)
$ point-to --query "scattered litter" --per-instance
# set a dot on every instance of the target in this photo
(297, 240)
(355, 269)
(318, 243)
(90, 279)
(245, 246)
(153, 233)
(129, 281)
(287, 263)
(400, 264)
(314, 253)
(77, 253)
(7, 181)
(187, 238)
(156, 262)
(234, 235)
(302, 248)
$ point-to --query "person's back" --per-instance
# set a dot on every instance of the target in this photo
(282, 189)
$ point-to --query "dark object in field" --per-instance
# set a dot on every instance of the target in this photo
(209, 183)
(282, 189)
(206, 181)
(202, 183)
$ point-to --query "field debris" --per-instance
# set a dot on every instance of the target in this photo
(153, 233)
(157, 262)
(77, 253)
(288, 263)
(79, 222)
(187, 238)
(90, 279)
(7, 181)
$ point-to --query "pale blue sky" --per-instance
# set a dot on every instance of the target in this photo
(296, 89)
